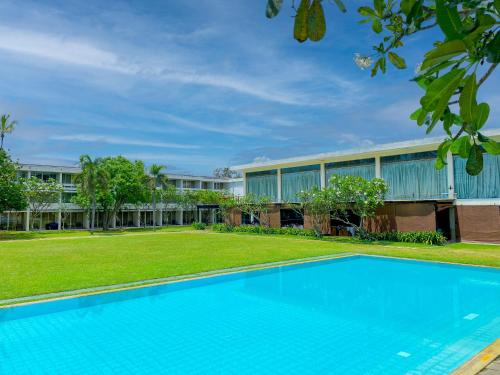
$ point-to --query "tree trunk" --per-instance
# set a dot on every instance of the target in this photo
(154, 210)
(1, 141)
(92, 222)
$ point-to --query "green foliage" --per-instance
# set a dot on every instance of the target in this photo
(6, 127)
(257, 207)
(12, 197)
(41, 195)
(257, 229)
(199, 225)
(452, 71)
(273, 8)
(425, 237)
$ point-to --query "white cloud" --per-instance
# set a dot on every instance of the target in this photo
(352, 139)
(118, 141)
(261, 159)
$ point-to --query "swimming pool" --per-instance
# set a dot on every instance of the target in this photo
(354, 315)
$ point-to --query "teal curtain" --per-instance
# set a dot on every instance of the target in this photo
(263, 185)
(365, 171)
(295, 182)
(485, 185)
(414, 179)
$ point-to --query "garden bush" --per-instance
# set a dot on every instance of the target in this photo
(263, 230)
(199, 225)
(425, 237)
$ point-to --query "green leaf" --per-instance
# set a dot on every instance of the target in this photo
(497, 6)
(493, 49)
(316, 23)
(421, 118)
(377, 26)
(448, 122)
(382, 64)
(467, 101)
(406, 6)
(490, 145)
(474, 164)
(448, 20)
(415, 13)
(300, 26)
(461, 146)
(273, 8)
(375, 68)
(441, 89)
(442, 153)
(443, 53)
(341, 6)
(414, 116)
(397, 60)
(379, 6)
(366, 11)
(482, 114)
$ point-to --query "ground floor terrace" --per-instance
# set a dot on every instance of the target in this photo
(72, 218)
(459, 221)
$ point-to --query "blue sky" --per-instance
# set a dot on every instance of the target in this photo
(194, 85)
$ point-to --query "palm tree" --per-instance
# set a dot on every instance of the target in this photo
(156, 179)
(88, 181)
(6, 127)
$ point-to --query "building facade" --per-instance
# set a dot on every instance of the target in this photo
(419, 198)
(66, 215)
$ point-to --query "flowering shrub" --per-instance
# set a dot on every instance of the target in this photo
(263, 230)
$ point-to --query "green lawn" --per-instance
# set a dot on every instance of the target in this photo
(61, 263)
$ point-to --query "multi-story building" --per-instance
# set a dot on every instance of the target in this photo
(66, 215)
(420, 197)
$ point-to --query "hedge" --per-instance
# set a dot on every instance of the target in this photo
(262, 230)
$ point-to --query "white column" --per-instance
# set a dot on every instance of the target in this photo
(278, 175)
(451, 175)
(28, 211)
(322, 175)
(137, 218)
(113, 222)
(179, 216)
(86, 224)
(212, 216)
(378, 172)
(59, 213)
(159, 216)
(244, 183)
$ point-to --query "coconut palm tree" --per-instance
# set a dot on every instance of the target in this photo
(156, 179)
(6, 127)
(88, 179)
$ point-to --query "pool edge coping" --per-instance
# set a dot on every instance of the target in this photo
(480, 361)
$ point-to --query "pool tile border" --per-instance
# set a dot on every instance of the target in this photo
(479, 362)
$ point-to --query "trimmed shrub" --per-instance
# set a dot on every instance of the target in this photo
(425, 237)
(263, 230)
(199, 226)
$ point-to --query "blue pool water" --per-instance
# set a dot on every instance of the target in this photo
(356, 315)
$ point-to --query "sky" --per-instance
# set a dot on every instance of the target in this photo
(196, 85)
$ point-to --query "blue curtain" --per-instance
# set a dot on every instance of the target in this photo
(485, 185)
(414, 179)
(295, 182)
(365, 171)
(263, 185)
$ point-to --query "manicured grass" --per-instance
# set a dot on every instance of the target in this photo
(50, 265)
(21, 235)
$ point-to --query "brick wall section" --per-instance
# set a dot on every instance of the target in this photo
(309, 225)
(274, 217)
(478, 223)
(234, 217)
(404, 217)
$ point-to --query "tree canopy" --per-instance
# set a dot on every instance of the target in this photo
(451, 72)
(12, 196)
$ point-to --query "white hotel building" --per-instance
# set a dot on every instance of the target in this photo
(66, 215)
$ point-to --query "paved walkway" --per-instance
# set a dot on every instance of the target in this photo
(492, 369)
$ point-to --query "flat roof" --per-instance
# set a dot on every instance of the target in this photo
(387, 149)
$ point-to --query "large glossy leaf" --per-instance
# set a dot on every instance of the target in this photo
(490, 145)
(493, 49)
(441, 89)
(300, 26)
(442, 152)
(316, 23)
(341, 6)
(273, 8)
(379, 6)
(467, 101)
(474, 164)
(482, 114)
(443, 53)
(406, 6)
(497, 6)
(448, 122)
(397, 60)
(377, 26)
(366, 11)
(448, 19)
(461, 146)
